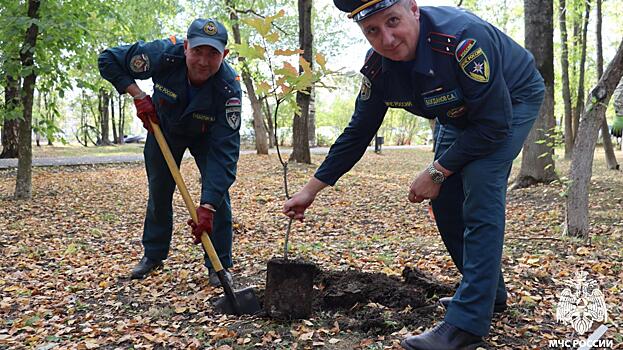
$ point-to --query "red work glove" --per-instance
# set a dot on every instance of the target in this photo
(205, 217)
(146, 112)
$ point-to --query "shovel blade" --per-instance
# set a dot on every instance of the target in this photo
(248, 303)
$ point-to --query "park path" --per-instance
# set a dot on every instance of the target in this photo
(136, 158)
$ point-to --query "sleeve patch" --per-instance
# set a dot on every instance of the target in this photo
(139, 63)
(366, 89)
(464, 48)
(232, 112)
(476, 66)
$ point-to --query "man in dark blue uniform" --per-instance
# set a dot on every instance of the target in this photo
(485, 93)
(196, 102)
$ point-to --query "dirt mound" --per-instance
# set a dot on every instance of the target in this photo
(372, 303)
(344, 289)
(377, 303)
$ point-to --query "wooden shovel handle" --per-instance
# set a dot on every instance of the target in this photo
(179, 181)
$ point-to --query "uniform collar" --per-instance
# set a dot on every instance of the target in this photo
(423, 62)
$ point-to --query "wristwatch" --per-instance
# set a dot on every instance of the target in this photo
(435, 174)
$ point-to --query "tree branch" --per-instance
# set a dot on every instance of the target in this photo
(249, 11)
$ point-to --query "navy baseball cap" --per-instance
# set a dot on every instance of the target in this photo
(360, 9)
(207, 32)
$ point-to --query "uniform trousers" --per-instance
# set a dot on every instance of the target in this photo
(470, 216)
(158, 227)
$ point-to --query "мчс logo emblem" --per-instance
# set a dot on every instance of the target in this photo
(210, 28)
(581, 304)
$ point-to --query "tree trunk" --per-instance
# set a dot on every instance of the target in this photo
(311, 124)
(10, 129)
(576, 221)
(121, 120)
(270, 126)
(23, 184)
(115, 138)
(51, 119)
(300, 133)
(618, 112)
(431, 124)
(582, 69)
(83, 122)
(10, 132)
(103, 111)
(618, 99)
(261, 135)
(38, 123)
(261, 140)
(611, 160)
(566, 91)
(537, 163)
(573, 45)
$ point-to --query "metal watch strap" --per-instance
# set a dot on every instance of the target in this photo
(436, 175)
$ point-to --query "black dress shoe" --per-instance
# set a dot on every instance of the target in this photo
(443, 336)
(144, 267)
(497, 308)
(215, 282)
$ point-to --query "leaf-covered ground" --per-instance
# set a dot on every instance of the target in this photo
(66, 253)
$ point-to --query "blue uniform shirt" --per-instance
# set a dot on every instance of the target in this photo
(466, 73)
(212, 113)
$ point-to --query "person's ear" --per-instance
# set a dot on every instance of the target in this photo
(415, 9)
(225, 52)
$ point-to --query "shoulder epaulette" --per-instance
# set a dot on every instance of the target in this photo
(372, 67)
(230, 80)
(173, 54)
(442, 43)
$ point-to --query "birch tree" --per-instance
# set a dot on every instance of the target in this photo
(576, 219)
(611, 160)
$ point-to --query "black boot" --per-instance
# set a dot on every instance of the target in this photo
(497, 308)
(213, 277)
(144, 267)
(443, 336)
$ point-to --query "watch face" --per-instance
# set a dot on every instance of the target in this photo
(438, 177)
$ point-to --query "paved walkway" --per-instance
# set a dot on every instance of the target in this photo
(136, 158)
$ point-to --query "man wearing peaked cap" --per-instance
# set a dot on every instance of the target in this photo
(484, 92)
(360, 9)
(196, 101)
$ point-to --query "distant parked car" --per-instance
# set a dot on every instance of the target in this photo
(133, 138)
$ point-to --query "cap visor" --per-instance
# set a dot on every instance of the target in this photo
(194, 42)
(378, 7)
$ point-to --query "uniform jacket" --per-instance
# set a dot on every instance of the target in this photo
(466, 73)
(213, 113)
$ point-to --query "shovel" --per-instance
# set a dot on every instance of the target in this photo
(240, 302)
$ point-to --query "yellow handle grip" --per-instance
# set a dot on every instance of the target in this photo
(179, 181)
